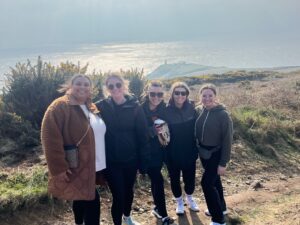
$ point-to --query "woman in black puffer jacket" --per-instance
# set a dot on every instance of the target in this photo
(181, 152)
(126, 145)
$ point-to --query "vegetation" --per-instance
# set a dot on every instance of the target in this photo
(265, 109)
(22, 189)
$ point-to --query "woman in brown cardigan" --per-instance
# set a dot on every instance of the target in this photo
(69, 121)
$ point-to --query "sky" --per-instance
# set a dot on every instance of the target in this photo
(35, 23)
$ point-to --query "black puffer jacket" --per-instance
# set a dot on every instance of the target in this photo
(157, 151)
(126, 137)
(181, 150)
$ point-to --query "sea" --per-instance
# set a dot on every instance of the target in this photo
(106, 57)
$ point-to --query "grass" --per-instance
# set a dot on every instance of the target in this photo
(22, 189)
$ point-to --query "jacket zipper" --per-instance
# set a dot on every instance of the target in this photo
(204, 126)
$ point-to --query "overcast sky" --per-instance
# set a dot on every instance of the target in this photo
(32, 23)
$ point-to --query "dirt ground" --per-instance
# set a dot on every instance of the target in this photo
(257, 199)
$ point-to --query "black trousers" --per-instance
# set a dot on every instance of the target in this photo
(188, 175)
(157, 189)
(212, 188)
(121, 181)
(87, 211)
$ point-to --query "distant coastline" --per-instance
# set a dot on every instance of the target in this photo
(150, 55)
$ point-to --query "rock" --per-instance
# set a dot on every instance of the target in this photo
(256, 185)
(248, 182)
(283, 177)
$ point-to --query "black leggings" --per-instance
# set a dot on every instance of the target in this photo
(157, 189)
(188, 175)
(87, 211)
(121, 181)
(212, 188)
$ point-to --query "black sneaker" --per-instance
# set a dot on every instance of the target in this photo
(156, 213)
(167, 221)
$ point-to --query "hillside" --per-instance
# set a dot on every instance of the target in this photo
(183, 69)
(262, 184)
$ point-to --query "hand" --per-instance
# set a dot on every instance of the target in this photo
(221, 170)
(158, 129)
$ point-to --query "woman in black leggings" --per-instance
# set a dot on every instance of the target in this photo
(213, 131)
(154, 108)
(126, 142)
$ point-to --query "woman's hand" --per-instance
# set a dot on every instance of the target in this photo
(221, 170)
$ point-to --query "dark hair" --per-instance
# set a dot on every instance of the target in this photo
(68, 84)
(210, 87)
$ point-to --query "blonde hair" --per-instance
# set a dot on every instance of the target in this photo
(68, 84)
(118, 76)
(179, 84)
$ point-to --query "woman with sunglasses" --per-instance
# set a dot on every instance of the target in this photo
(181, 151)
(126, 143)
(154, 108)
(213, 131)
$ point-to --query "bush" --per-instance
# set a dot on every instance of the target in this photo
(16, 134)
(30, 89)
(137, 81)
(263, 127)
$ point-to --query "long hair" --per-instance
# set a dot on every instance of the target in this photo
(178, 84)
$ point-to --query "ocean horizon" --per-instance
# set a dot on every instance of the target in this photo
(150, 55)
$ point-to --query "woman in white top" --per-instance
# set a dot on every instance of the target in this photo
(71, 122)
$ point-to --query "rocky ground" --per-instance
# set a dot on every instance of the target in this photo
(253, 197)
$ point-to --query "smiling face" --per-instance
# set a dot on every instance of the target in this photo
(179, 96)
(155, 95)
(115, 87)
(81, 89)
(208, 98)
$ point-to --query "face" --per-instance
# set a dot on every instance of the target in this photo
(155, 95)
(208, 98)
(115, 87)
(179, 96)
(81, 89)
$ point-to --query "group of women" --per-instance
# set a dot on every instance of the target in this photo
(117, 137)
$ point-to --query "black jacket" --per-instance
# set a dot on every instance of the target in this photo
(126, 137)
(181, 150)
(156, 149)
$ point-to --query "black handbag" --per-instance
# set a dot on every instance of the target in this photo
(205, 153)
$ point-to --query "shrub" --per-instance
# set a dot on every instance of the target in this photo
(137, 81)
(30, 89)
(263, 127)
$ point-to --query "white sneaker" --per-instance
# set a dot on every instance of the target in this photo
(207, 213)
(156, 213)
(214, 223)
(129, 221)
(191, 203)
(180, 206)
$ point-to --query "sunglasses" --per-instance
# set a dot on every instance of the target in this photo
(182, 93)
(112, 86)
(158, 94)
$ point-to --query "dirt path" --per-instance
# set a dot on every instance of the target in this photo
(262, 202)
